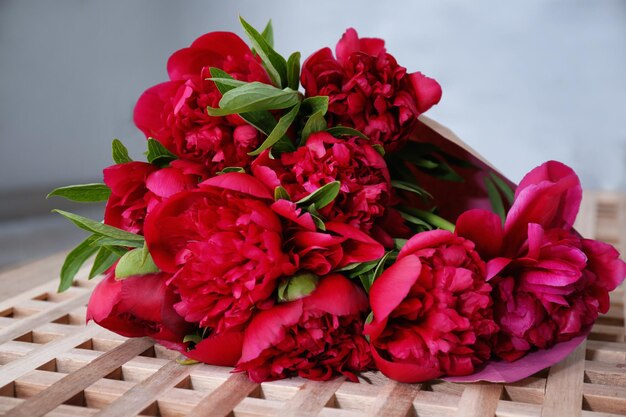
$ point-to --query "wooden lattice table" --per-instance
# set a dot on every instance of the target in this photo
(51, 364)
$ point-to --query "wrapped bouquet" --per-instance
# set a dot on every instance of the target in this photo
(306, 221)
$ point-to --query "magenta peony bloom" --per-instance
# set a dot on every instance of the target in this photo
(317, 337)
(174, 112)
(224, 246)
(549, 283)
(432, 310)
(368, 90)
(362, 171)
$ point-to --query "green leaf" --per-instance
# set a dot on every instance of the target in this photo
(399, 243)
(158, 154)
(315, 104)
(119, 152)
(504, 188)
(122, 243)
(254, 96)
(104, 259)
(495, 199)
(293, 71)
(186, 362)
(100, 228)
(413, 188)
(323, 196)
(195, 338)
(379, 148)
(84, 193)
(338, 131)
(280, 193)
(224, 82)
(297, 287)
(74, 260)
(428, 217)
(231, 169)
(133, 263)
(416, 221)
(268, 33)
(275, 64)
(279, 131)
(319, 223)
(361, 268)
(315, 123)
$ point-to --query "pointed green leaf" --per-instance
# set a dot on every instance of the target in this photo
(379, 148)
(315, 123)
(231, 169)
(100, 228)
(507, 191)
(268, 33)
(338, 131)
(323, 196)
(105, 258)
(84, 193)
(133, 263)
(254, 96)
(414, 188)
(427, 216)
(225, 83)
(74, 260)
(158, 154)
(293, 71)
(495, 199)
(275, 64)
(315, 104)
(119, 152)
(122, 243)
(280, 193)
(279, 131)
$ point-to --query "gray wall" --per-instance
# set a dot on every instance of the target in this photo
(523, 81)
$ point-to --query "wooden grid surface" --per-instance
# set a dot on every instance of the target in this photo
(52, 364)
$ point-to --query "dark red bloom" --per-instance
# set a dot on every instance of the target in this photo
(174, 112)
(362, 171)
(139, 306)
(432, 310)
(549, 283)
(368, 90)
(316, 337)
(223, 244)
(135, 188)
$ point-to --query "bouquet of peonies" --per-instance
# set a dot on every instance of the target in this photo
(329, 230)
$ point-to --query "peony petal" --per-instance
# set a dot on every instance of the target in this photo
(240, 182)
(268, 328)
(219, 349)
(347, 45)
(337, 295)
(359, 246)
(105, 296)
(149, 108)
(484, 228)
(427, 91)
(404, 372)
(426, 240)
(169, 181)
(393, 285)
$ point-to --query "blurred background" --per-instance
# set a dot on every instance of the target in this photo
(523, 81)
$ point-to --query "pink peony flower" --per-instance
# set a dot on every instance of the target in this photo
(432, 310)
(549, 283)
(224, 246)
(368, 90)
(174, 112)
(362, 171)
(317, 337)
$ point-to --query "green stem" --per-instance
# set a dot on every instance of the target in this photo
(437, 221)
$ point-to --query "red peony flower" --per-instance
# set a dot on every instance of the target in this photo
(316, 337)
(139, 306)
(368, 90)
(135, 188)
(549, 283)
(339, 246)
(224, 246)
(174, 112)
(362, 171)
(432, 310)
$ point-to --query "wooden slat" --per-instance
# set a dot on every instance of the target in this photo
(311, 398)
(146, 392)
(394, 400)
(76, 382)
(45, 353)
(479, 400)
(564, 387)
(220, 403)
